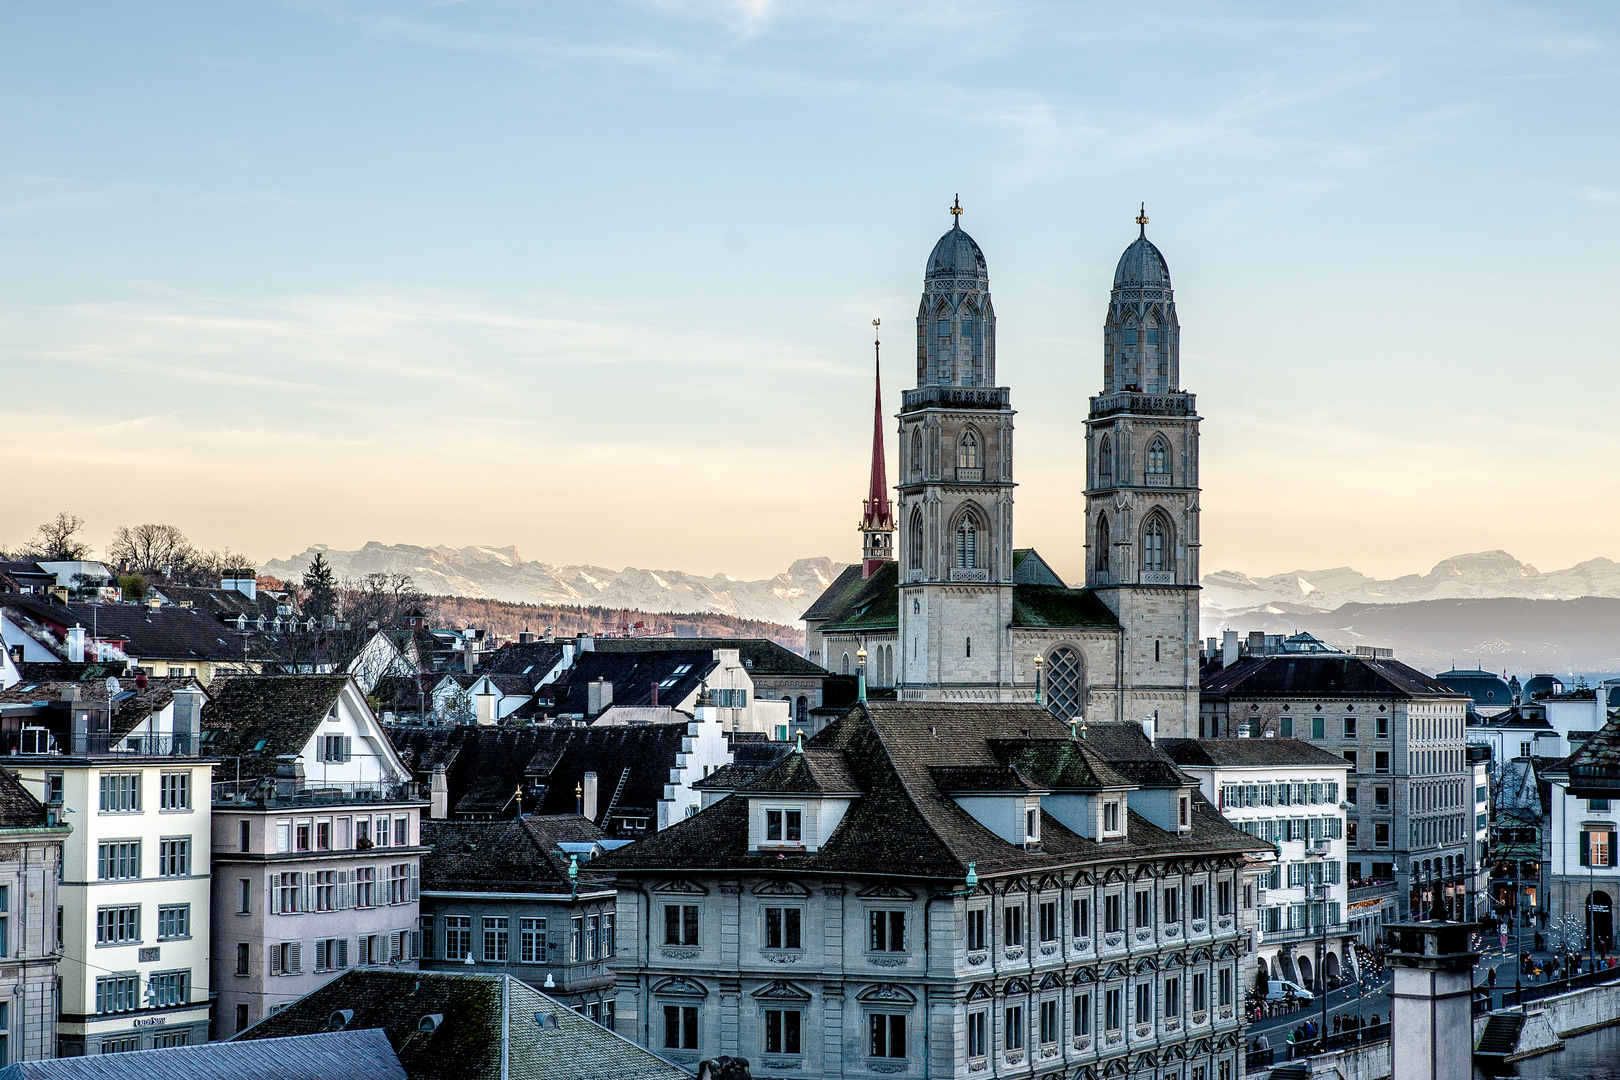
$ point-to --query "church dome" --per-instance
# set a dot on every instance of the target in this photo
(956, 255)
(1142, 265)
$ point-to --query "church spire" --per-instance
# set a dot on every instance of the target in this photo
(877, 523)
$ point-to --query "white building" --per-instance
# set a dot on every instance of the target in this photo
(1288, 792)
(1581, 836)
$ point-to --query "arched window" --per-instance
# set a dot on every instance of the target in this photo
(1153, 544)
(967, 544)
(801, 710)
(1103, 543)
(1158, 457)
(967, 451)
(846, 664)
(916, 450)
(1065, 684)
(1105, 457)
(969, 649)
(914, 539)
(1150, 357)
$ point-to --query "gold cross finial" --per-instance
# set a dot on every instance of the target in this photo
(1142, 218)
(956, 210)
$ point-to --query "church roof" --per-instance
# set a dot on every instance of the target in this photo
(1045, 605)
(1142, 264)
(875, 605)
(956, 255)
(834, 599)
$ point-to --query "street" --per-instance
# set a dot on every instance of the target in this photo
(1341, 1002)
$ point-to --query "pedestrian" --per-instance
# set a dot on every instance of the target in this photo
(1338, 1024)
(1490, 977)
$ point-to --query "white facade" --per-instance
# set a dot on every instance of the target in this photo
(1299, 809)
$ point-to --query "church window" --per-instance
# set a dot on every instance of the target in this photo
(914, 539)
(846, 664)
(1130, 336)
(944, 328)
(1065, 684)
(933, 451)
(1158, 457)
(967, 328)
(1153, 544)
(1104, 542)
(1105, 457)
(801, 709)
(916, 451)
(1153, 335)
(967, 451)
(969, 647)
(967, 544)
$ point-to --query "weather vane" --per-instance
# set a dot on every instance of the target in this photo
(956, 207)
(1142, 218)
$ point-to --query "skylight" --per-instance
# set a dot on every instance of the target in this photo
(683, 669)
(667, 683)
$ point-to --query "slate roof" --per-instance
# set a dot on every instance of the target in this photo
(1249, 753)
(906, 825)
(18, 807)
(1045, 605)
(873, 604)
(533, 660)
(806, 772)
(1304, 674)
(516, 855)
(228, 603)
(485, 765)
(751, 758)
(633, 676)
(470, 1038)
(283, 710)
(320, 1055)
(760, 656)
(1030, 569)
(165, 633)
(1519, 717)
(834, 599)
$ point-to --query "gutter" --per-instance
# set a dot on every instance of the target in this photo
(506, 1027)
(456, 895)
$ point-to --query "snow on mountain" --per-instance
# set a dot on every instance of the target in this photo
(500, 573)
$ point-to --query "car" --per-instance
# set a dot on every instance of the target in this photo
(1283, 990)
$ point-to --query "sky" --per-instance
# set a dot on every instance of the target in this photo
(597, 279)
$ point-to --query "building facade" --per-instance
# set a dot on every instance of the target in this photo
(1288, 793)
(31, 839)
(1410, 788)
(946, 890)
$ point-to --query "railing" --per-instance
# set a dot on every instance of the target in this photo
(1282, 1050)
(1604, 780)
(271, 792)
(38, 741)
(1303, 933)
(970, 397)
(1536, 991)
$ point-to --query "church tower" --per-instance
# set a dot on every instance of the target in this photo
(1142, 494)
(877, 517)
(956, 490)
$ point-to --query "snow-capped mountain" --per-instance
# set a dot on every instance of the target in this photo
(502, 574)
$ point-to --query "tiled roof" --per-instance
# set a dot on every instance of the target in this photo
(834, 599)
(1302, 674)
(18, 807)
(222, 603)
(904, 824)
(806, 772)
(1045, 605)
(759, 655)
(514, 855)
(750, 759)
(633, 675)
(480, 1016)
(1250, 753)
(283, 710)
(533, 660)
(484, 766)
(1030, 569)
(874, 605)
(351, 1054)
(166, 633)
(131, 705)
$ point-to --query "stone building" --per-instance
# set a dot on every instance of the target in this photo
(1411, 787)
(31, 838)
(497, 896)
(946, 890)
(959, 612)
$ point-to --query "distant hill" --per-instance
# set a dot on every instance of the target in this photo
(509, 619)
(1514, 634)
(502, 574)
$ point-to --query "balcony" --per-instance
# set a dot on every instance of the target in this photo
(954, 397)
(270, 793)
(1301, 933)
(42, 742)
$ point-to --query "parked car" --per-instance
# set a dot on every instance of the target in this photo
(1283, 990)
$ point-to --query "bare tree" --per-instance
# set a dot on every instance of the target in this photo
(58, 540)
(149, 549)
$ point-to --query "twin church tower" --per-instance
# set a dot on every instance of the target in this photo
(954, 610)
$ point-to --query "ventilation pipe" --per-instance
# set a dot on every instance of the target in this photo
(589, 806)
(439, 794)
(75, 645)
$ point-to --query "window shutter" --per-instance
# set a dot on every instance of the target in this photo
(348, 747)
(1611, 847)
(416, 945)
(270, 905)
(304, 882)
(295, 962)
(275, 959)
(416, 880)
(1586, 848)
(322, 962)
(342, 952)
(345, 897)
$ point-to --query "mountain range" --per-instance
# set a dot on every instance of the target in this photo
(500, 573)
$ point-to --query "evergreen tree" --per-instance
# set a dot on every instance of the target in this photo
(322, 594)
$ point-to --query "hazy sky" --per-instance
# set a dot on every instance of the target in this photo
(596, 279)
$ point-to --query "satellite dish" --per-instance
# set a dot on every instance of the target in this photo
(113, 687)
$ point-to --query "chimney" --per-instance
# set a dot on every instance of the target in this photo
(75, 645)
(439, 795)
(153, 602)
(590, 796)
(1229, 648)
(585, 643)
(469, 653)
(486, 708)
(1149, 723)
(598, 696)
(187, 720)
(1257, 642)
(525, 638)
(60, 592)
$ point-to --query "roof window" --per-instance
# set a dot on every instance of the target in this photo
(667, 683)
(683, 669)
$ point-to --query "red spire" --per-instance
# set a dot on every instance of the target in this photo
(878, 520)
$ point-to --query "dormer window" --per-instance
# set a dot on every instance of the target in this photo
(1032, 825)
(1184, 820)
(1111, 817)
(784, 826)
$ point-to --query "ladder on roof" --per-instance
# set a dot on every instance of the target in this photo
(624, 778)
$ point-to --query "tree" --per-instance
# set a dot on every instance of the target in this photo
(318, 581)
(133, 585)
(58, 540)
(149, 549)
